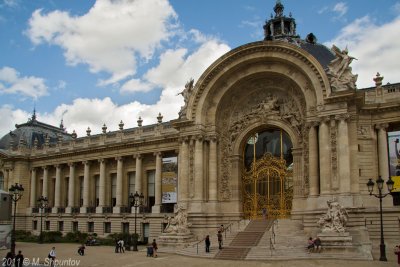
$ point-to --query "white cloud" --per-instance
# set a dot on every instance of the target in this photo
(10, 116)
(340, 8)
(12, 83)
(374, 47)
(10, 3)
(110, 37)
(136, 85)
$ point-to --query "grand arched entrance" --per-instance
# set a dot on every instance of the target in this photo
(267, 177)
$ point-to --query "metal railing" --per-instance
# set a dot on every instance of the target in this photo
(225, 230)
(75, 210)
(60, 210)
(272, 240)
(90, 209)
(107, 209)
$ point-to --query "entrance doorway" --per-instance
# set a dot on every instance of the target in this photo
(267, 177)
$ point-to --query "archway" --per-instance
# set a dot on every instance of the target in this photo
(267, 177)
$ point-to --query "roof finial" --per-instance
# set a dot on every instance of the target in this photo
(278, 9)
(34, 112)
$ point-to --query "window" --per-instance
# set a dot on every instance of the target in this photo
(80, 191)
(107, 227)
(97, 188)
(90, 227)
(60, 226)
(131, 179)
(125, 228)
(151, 187)
(146, 232)
(2, 181)
(34, 225)
(74, 226)
(113, 189)
(47, 225)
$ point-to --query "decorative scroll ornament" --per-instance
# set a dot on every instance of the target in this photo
(178, 224)
(186, 93)
(339, 71)
(335, 218)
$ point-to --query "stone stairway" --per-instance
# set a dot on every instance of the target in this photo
(244, 241)
(289, 241)
(197, 249)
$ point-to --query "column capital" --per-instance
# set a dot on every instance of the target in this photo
(71, 164)
(137, 156)
(184, 139)
(342, 117)
(33, 169)
(312, 124)
(159, 154)
(101, 160)
(45, 167)
(213, 138)
(324, 119)
(57, 166)
(86, 162)
(199, 137)
(119, 158)
(381, 126)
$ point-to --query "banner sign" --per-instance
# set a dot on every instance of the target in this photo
(394, 159)
(169, 180)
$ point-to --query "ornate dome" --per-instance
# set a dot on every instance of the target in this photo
(25, 134)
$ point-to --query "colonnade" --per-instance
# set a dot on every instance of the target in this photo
(91, 167)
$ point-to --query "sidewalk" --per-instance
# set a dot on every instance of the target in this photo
(104, 256)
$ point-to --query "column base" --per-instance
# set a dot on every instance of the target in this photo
(155, 209)
(83, 210)
(116, 210)
(68, 210)
(54, 210)
(99, 209)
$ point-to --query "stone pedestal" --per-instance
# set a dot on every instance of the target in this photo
(176, 239)
(332, 239)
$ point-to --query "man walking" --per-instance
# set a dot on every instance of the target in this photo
(219, 235)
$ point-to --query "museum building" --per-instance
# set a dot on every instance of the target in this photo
(276, 124)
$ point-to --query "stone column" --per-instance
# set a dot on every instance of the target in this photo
(7, 183)
(86, 186)
(324, 156)
(183, 170)
(118, 204)
(383, 162)
(157, 200)
(313, 160)
(57, 193)
(198, 169)
(343, 154)
(33, 188)
(45, 190)
(298, 182)
(213, 183)
(102, 186)
(138, 174)
(71, 187)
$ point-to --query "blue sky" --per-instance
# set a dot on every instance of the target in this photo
(100, 62)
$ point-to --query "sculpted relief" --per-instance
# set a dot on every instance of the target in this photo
(260, 106)
(339, 71)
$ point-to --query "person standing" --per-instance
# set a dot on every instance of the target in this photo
(116, 245)
(19, 259)
(219, 235)
(317, 244)
(154, 245)
(208, 243)
(52, 256)
(397, 252)
(121, 246)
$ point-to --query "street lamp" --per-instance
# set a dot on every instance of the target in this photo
(42, 204)
(136, 201)
(370, 186)
(16, 192)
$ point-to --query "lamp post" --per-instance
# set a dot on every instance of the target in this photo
(370, 186)
(42, 204)
(136, 201)
(16, 192)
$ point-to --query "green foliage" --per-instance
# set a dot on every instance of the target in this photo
(75, 237)
(25, 236)
(52, 237)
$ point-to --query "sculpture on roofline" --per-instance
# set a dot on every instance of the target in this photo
(339, 71)
(186, 93)
(335, 219)
(178, 224)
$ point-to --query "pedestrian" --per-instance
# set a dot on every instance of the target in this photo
(208, 243)
(81, 250)
(19, 259)
(116, 245)
(310, 244)
(397, 252)
(154, 245)
(317, 244)
(52, 256)
(219, 235)
(264, 213)
(121, 246)
(8, 261)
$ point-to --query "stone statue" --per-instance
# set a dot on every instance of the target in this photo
(178, 224)
(335, 218)
(339, 71)
(186, 93)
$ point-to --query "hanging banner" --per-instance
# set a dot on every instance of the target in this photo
(169, 180)
(394, 159)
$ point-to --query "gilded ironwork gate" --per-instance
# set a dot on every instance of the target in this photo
(267, 189)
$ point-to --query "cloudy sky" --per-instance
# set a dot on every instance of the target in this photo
(95, 62)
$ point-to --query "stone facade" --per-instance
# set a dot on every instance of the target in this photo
(339, 137)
